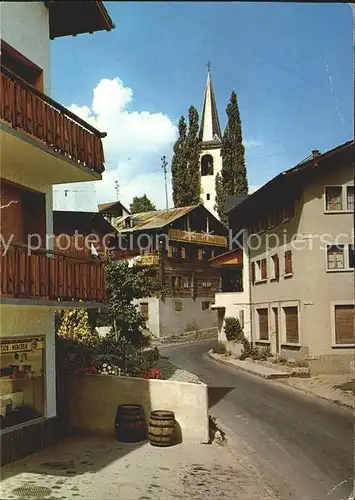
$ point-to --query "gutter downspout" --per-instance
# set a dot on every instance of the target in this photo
(245, 246)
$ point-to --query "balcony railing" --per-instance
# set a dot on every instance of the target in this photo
(27, 109)
(50, 275)
(148, 260)
(203, 238)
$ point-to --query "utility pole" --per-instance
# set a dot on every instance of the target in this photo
(164, 164)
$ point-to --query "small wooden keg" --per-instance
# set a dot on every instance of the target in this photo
(162, 428)
(129, 424)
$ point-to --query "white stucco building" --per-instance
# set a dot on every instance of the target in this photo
(42, 145)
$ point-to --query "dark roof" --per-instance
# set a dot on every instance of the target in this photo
(232, 202)
(288, 178)
(72, 17)
(67, 222)
(216, 128)
(112, 207)
(154, 219)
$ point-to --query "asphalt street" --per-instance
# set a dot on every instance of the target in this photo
(302, 445)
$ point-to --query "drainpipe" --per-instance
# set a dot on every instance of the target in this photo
(246, 251)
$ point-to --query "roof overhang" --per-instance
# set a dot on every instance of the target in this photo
(233, 258)
(73, 17)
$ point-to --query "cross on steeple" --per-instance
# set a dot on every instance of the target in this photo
(209, 66)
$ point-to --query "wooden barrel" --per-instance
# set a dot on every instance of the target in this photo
(162, 426)
(129, 424)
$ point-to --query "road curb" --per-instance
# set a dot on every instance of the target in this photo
(284, 382)
(246, 370)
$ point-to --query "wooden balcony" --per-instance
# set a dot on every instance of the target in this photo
(26, 109)
(148, 260)
(193, 237)
(49, 275)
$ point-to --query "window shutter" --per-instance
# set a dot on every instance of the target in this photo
(263, 269)
(291, 320)
(170, 251)
(183, 252)
(344, 324)
(263, 324)
(199, 253)
(288, 262)
(252, 272)
(277, 266)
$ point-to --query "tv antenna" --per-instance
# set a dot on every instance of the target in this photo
(117, 189)
(164, 164)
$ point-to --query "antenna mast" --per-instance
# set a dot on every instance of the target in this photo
(164, 164)
(117, 188)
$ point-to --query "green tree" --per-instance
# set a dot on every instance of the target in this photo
(233, 177)
(124, 285)
(75, 324)
(185, 165)
(193, 180)
(178, 165)
(141, 204)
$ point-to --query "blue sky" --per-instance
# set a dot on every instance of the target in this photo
(290, 64)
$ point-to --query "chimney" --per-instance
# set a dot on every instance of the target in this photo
(315, 152)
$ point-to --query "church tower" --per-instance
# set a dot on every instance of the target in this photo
(211, 141)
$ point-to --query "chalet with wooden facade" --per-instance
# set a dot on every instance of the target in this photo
(42, 144)
(177, 245)
(300, 251)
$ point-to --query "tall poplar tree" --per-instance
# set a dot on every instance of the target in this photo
(193, 181)
(185, 167)
(233, 177)
(178, 165)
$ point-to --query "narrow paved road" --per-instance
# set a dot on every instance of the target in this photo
(302, 445)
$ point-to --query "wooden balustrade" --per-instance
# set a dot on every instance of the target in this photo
(50, 275)
(27, 109)
(194, 237)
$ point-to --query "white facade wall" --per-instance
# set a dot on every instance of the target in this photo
(25, 26)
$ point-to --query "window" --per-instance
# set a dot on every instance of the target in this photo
(288, 262)
(205, 305)
(185, 282)
(208, 196)
(144, 310)
(291, 324)
(340, 257)
(178, 305)
(206, 284)
(263, 269)
(275, 267)
(263, 320)
(333, 198)
(350, 197)
(344, 324)
(206, 165)
(183, 252)
(21, 66)
(22, 380)
(175, 252)
(175, 282)
(199, 253)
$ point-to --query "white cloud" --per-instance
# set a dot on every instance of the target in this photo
(135, 142)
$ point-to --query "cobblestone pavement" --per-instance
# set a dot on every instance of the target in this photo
(101, 468)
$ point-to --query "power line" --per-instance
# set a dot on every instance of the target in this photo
(258, 54)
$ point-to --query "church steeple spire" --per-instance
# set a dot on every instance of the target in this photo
(210, 129)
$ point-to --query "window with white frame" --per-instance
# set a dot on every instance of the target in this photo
(340, 257)
(339, 198)
(344, 324)
(275, 267)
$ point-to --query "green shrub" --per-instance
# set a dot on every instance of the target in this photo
(219, 348)
(232, 329)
